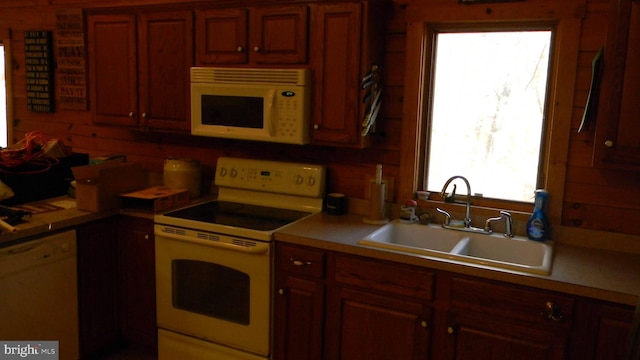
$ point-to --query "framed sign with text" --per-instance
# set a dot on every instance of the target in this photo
(71, 82)
(39, 71)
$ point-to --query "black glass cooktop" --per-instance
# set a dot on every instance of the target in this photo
(254, 217)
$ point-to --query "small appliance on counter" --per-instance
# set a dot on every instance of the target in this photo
(183, 173)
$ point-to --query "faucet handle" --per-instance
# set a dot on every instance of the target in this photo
(508, 232)
(487, 224)
(508, 222)
(447, 216)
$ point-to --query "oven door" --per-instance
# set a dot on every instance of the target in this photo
(214, 287)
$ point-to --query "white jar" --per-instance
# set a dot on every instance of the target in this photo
(183, 173)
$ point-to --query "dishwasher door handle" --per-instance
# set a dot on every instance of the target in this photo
(16, 250)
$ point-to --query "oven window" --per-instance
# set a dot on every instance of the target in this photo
(237, 111)
(211, 289)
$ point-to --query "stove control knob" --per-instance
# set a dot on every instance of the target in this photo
(311, 181)
(299, 179)
(223, 172)
(234, 173)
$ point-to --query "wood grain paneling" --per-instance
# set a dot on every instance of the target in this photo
(594, 199)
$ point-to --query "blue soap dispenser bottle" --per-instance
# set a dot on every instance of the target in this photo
(538, 225)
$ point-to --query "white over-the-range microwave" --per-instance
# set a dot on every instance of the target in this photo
(251, 104)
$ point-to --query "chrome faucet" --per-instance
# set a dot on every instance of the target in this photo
(467, 215)
(443, 193)
(508, 232)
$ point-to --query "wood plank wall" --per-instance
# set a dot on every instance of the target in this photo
(595, 198)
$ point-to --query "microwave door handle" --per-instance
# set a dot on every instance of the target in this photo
(271, 109)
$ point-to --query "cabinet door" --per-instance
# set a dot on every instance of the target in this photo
(602, 331)
(221, 36)
(367, 326)
(112, 68)
(614, 331)
(617, 141)
(278, 35)
(478, 337)
(166, 55)
(97, 287)
(336, 60)
(299, 303)
(493, 320)
(137, 285)
(298, 320)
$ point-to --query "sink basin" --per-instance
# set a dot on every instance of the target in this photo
(416, 239)
(493, 250)
(515, 253)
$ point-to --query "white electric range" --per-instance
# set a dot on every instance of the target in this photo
(214, 259)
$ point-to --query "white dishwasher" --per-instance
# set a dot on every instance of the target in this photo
(39, 292)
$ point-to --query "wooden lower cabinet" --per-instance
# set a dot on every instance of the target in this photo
(137, 282)
(601, 331)
(97, 287)
(492, 320)
(345, 315)
(299, 319)
(478, 338)
(369, 326)
(299, 303)
(331, 305)
(116, 285)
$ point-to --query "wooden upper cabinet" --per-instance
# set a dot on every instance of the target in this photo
(279, 35)
(617, 140)
(165, 45)
(337, 72)
(221, 36)
(112, 66)
(254, 36)
(348, 40)
(139, 66)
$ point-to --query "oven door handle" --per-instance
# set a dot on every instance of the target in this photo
(256, 249)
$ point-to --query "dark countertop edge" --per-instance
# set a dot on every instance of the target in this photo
(591, 273)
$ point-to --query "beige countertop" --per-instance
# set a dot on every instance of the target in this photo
(43, 223)
(594, 273)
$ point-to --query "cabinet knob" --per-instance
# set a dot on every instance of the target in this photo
(281, 291)
(131, 114)
(146, 236)
(608, 143)
(144, 115)
(316, 126)
(552, 312)
(256, 48)
(450, 330)
(240, 49)
(423, 323)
